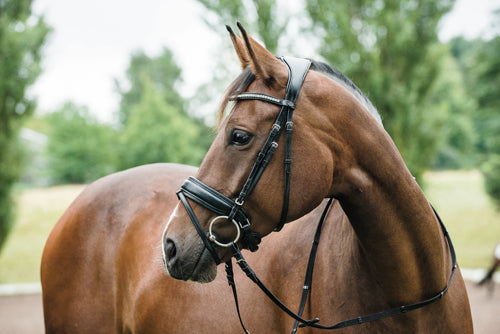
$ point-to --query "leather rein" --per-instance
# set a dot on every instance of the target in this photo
(233, 211)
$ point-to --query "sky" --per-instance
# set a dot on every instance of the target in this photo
(92, 41)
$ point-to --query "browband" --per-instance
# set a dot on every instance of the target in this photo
(263, 97)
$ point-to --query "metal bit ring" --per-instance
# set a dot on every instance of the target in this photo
(212, 237)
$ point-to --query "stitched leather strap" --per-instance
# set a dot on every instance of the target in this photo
(310, 265)
(232, 284)
(297, 70)
(201, 233)
(213, 200)
(358, 320)
(265, 98)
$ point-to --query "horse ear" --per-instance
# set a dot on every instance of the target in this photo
(264, 64)
(239, 47)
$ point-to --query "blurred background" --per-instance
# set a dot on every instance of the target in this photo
(88, 88)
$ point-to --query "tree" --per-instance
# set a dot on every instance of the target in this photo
(156, 126)
(390, 50)
(466, 54)
(157, 132)
(161, 72)
(265, 17)
(22, 36)
(489, 105)
(459, 133)
(479, 62)
(79, 149)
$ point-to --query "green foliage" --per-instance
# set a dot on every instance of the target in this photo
(11, 157)
(480, 64)
(80, 149)
(155, 124)
(161, 73)
(390, 50)
(155, 127)
(21, 39)
(458, 132)
(264, 17)
(489, 103)
(157, 132)
(471, 57)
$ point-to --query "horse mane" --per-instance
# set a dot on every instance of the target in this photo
(339, 77)
(246, 77)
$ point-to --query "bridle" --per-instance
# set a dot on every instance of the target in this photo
(233, 211)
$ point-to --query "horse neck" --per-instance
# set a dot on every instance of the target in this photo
(396, 230)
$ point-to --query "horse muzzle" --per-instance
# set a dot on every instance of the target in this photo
(227, 210)
(188, 260)
(194, 256)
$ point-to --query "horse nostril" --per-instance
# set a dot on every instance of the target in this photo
(170, 251)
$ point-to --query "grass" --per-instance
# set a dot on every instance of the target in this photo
(468, 213)
(38, 211)
(458, 196)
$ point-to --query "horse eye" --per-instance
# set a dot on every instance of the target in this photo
(240, 137)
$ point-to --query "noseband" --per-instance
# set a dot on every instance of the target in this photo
(232, 210)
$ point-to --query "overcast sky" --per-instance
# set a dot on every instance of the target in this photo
(92, 41)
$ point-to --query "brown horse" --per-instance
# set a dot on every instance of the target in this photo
(102, 269)
(391, 253)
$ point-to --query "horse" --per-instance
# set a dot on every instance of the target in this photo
(105, 264)
(391, 252)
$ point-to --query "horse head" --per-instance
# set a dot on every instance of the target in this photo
(253, 179)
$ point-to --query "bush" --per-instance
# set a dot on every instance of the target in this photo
(79, 149)
(158, 132)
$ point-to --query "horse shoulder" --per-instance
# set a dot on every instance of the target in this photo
(81, 267)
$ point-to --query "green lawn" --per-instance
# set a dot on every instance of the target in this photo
(38, 211)
(458, 196)
(468, 213)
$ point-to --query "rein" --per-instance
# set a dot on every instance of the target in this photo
(233, 211)
(240, 260)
